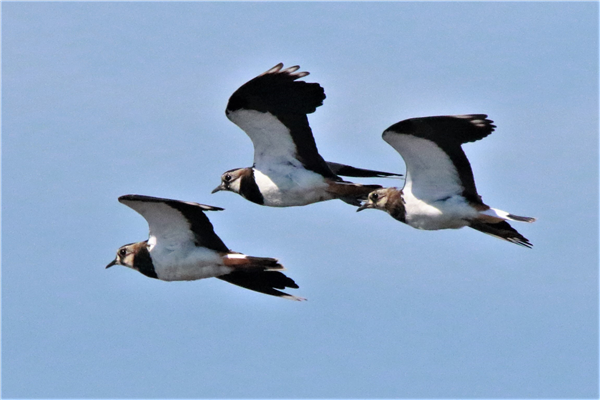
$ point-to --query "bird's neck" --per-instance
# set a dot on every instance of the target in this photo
(143, 262)
(395, 206)
(249, 189)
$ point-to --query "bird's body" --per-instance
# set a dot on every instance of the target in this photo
(440, 192)
(449, 213)
(187, 263)
(182, 246)
(288, 169)
(286, 186)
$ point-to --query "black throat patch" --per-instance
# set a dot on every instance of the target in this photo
(143, 262)
(398, 210)
(249, 189)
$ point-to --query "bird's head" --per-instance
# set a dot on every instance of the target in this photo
(126, 255)
(232, 179)
(377, 199)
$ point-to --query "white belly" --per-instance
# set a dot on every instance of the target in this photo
(188, 265)
(452, 213)
(286, 187)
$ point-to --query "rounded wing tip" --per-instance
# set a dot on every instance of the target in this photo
(126, 197)
(291, 71)
(274, 69)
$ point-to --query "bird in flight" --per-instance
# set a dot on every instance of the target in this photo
(439, 190)
(288, 169)
(182, 246)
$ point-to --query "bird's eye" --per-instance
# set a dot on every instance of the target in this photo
(122, 253)
(227, 178)
(374, 196)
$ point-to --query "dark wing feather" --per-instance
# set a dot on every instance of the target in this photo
(347, 170)
(279, 93)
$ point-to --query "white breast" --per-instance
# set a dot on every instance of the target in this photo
(185, 264)
(452, 213)
(286, 185)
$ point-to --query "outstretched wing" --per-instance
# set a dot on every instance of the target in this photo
(176, 223)
(272, 109)
(436, 166)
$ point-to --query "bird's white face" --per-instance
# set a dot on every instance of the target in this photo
(231, 180)
(125, 256)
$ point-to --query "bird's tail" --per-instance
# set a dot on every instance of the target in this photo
(260, 274)
(351, 193)
(501, 230)
(495, 213)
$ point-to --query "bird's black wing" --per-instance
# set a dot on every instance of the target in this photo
(272, 109)
(354, 172)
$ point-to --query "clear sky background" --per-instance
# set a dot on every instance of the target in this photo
(105, 99)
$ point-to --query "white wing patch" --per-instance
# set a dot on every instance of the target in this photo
(236, 256)
(430, 173)
(169, 229)
(151, 242)
(494, 212)
(272, 141)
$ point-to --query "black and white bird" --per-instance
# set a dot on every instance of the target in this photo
(439, 191)
(288, 169)
(182, 246)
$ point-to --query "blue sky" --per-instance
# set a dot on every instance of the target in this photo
(105, 99)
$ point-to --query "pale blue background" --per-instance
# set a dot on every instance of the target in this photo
(106, 99)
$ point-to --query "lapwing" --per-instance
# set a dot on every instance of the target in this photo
(182, 246)
(288, 169)
(439, 190)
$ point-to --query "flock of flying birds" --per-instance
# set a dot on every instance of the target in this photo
(439, 190)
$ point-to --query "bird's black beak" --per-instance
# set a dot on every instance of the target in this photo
(113, 262)
(364, 206)
(218, 189)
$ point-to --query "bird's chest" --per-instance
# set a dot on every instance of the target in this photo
(285, 186)
(187, 264)
(448, 213)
